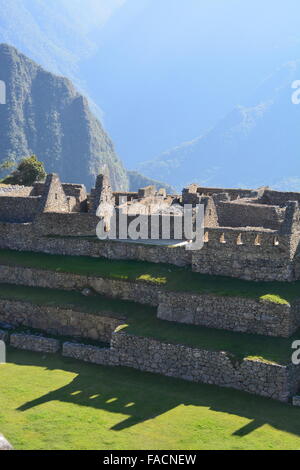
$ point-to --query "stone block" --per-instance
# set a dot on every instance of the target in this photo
(35, 343)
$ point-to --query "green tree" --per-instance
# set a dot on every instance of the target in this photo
(29, 170)
(7, 165)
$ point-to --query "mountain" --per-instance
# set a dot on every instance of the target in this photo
(57, 34)
(255, 144)
(137, 181)
(160, 72)
(45, 115)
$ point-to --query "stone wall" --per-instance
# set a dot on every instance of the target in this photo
(279, 197)
(218, 368)
(19, 236)
(232, 313)
(144, 292)
(17, 190)
(261, 255)
(174, 360)
(35, 343)
(59, 320)
(232, 193)
(54, 198)
(248, 254)
(242, 214)
(18, 209)
(271, 380)
(89, 353)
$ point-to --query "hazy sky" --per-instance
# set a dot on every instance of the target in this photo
(165, 71)
(162, 71)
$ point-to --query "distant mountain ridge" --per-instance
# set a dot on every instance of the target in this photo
(46, 116)
(137, 181)
(254, 145)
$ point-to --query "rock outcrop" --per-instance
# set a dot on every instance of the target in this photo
(46, 116)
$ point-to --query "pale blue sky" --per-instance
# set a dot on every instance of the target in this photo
(162, 71)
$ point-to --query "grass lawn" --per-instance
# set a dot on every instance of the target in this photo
(141, 320)
(167, 276)
(48, 402)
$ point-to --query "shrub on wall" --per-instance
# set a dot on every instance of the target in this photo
(29, 170)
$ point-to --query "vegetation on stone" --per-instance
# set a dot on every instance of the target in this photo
(141, 320)
(53, 121)
(169, 277)
(28, 171)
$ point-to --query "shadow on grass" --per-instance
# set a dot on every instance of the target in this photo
(143, 396)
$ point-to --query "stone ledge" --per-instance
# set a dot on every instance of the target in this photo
(35, 343)
(58, 320)
(213, 367)
(245, 314)
(233, 313)
(88, 353)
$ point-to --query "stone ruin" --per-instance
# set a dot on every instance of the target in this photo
(251, 234)
(248, 234)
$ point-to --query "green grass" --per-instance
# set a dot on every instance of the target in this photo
(96, 304)
(166, 276)
(239, 345)
(52, 403)
(141, 320)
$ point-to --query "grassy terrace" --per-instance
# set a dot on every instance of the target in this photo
(49, 402)
(72, 299)
(167, 276)
(142, 321)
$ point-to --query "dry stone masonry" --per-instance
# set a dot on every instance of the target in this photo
(248, 234)
(252, 235)
(34, 343)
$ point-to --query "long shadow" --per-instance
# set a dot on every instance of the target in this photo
(142, 396)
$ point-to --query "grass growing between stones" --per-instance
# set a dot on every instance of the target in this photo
(169, 277)
(141, 320)
(240, 345)
(52, 403)
(95, 304)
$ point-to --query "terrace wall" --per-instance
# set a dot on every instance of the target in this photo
(218, 368)
(247, 254)
(234, 214)
(197, 365)
(59, 320)
(26, 237)
(18, 208)
(279, 382)
(232, 313)
(262, 255)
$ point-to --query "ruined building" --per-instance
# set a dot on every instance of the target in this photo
(250, 234)
(253, 235)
